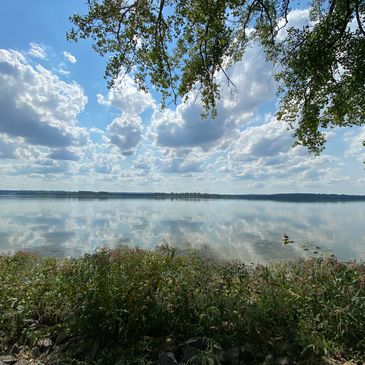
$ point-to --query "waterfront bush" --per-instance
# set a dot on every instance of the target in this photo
(129, 305)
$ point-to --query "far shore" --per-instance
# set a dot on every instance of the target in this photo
(282, 197)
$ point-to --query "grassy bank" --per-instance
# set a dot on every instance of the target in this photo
(128, 306)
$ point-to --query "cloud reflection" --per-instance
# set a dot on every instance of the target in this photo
(251, 231)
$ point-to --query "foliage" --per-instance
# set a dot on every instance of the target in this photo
(134, 302)
(180, 46)
(323, 76)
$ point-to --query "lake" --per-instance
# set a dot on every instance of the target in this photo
(251, 231)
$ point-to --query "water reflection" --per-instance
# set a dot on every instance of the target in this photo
(251, 231)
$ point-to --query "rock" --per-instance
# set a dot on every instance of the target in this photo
(167, 358)
(61, 348)
(246, 355)
(269, 359)
(328, 361)
(237, 355)
(191, 354)
(198, 342)
(45, 343)
(193, 349)
(22, 362)
(231, 356)
(77, 347)
(35, 352)
(61, 337)
(7, 359)
(283, 361)
(198, 350)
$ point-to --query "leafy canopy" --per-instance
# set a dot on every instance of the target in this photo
(180, 45)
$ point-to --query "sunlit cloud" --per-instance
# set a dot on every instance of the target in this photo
(69, 57)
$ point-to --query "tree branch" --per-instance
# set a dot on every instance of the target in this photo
(358, 18)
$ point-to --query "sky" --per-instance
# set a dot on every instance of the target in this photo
(61, 128)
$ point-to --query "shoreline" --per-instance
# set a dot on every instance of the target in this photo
(282, 197)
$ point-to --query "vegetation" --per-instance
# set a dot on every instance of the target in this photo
(284, 197)
(129, 305)
(180, 46)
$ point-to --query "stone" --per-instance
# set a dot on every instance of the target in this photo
(61, 337)
(35, 352)
(167, 358)
(283, 361)
(246, 355)
(22, 362)
(61, 348)
(269, 359)
(7, 359)
(230, 357)
(193, 349)
(45, 343)
(198, 342)
(191, 354)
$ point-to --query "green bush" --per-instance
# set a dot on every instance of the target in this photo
(131, 300)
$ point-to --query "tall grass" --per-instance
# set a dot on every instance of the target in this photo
(134, 303)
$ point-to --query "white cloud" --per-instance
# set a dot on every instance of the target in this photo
(37, 50)
(296, 19)
(103, 164)
(238, 151)
(36, 105)
(266, 140)
(355, 140)
(144, 162)
(253, 86)
(64, 154)
(180, 161)
(125, 132)
(126, 97)
(7, 148)
(69, 57)
(265, 153)
(62, 69)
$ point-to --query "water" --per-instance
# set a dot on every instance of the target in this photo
(251, 231)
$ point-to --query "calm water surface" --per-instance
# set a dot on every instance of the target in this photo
(251, 231)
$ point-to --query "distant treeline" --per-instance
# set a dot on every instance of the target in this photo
(290, 197)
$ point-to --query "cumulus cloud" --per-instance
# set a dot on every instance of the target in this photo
(265, 152)
(126, 97)
(62, 70)
(37, 50)
(180, 161)
(266, 140)
(64, 154)
(40, 137)
(69, 57)
(7, 149)
(252, 79)
(185, 128)
(144, 162)
(43, 168)
(36, 105)
(296, 19)
(355, 140)
(253, 85)
(125, 132)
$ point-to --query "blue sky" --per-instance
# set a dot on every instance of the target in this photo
(61, 128)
